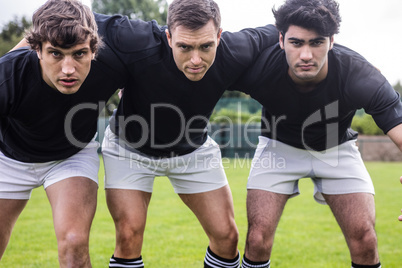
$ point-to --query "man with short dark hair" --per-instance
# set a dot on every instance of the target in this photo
(310, 89)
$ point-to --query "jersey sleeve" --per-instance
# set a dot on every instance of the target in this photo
(242, 49)
(245, 46)
(266, 68)
(385, 107)
(9, 70)
(367, 88)
(131, 40)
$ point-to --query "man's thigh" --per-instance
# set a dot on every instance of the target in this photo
(73, 201)
(354, 212)
(9, 212)
(128, 207)
(214, 209)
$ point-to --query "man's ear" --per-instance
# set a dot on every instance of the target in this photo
(331, 42)
(169, 38)
(281, 40)
(39, 53)
(219, 35)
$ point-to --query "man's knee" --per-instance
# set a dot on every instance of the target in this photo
(233, 234)
(226, 234)
(129, 230)
(363, 245)
(129, 237)
(364, 238)
(74, 250)
(259, 240)
(74, 241)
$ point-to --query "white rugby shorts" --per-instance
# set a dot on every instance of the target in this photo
(197, 172)
(18, 179)
(277, 167)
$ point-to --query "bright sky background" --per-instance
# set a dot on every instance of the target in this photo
(371, 27)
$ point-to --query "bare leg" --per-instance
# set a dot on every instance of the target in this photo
(355, 214)
(129, 212)
(9, 212)
(214, 210)
(264, 210)
(73, 204)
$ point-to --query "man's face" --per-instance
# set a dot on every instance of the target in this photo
(306, 54)
(65, 69)
(194, 51)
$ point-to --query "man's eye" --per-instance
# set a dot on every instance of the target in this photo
(55, 54)
(183, 47)
(206, 47)
(80, 54)
(317, 43)
(295, 43)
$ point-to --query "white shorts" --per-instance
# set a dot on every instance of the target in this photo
(197, 172)
(277, 167)
(18, 179)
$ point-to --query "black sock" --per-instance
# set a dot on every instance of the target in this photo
(246, 263)
(354, 265)
(213, 260)
(126, 263)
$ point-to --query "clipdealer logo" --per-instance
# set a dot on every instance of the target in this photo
(329, 156)
(329, 113)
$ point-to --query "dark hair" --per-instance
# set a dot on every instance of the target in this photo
(321, 16)
(63, 23)
(193, 14)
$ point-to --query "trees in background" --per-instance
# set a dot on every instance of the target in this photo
(134, 9)
(398, 87)
(12, 33)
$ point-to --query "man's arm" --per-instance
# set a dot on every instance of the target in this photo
(396, 136)
(22, 43)
(246, 45)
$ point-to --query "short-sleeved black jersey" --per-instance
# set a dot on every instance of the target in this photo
(40, 124)
(321, 118)
(162, 113)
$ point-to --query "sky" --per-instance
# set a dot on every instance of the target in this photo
(370, 27)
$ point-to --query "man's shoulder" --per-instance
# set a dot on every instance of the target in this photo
(17, 55)
(128, 35)
(344, 52)
(251, 33)
(358, 80)
(353, 65)
(18, 61)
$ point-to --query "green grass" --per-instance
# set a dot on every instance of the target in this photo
(307, 235)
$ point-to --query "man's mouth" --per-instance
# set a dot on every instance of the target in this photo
(195, 70)
(306, 67)
(68, 82)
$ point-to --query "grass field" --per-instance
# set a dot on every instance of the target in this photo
(307, 235)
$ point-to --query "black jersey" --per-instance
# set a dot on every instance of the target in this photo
(162, 113)
(321, 118)
(40, 124)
